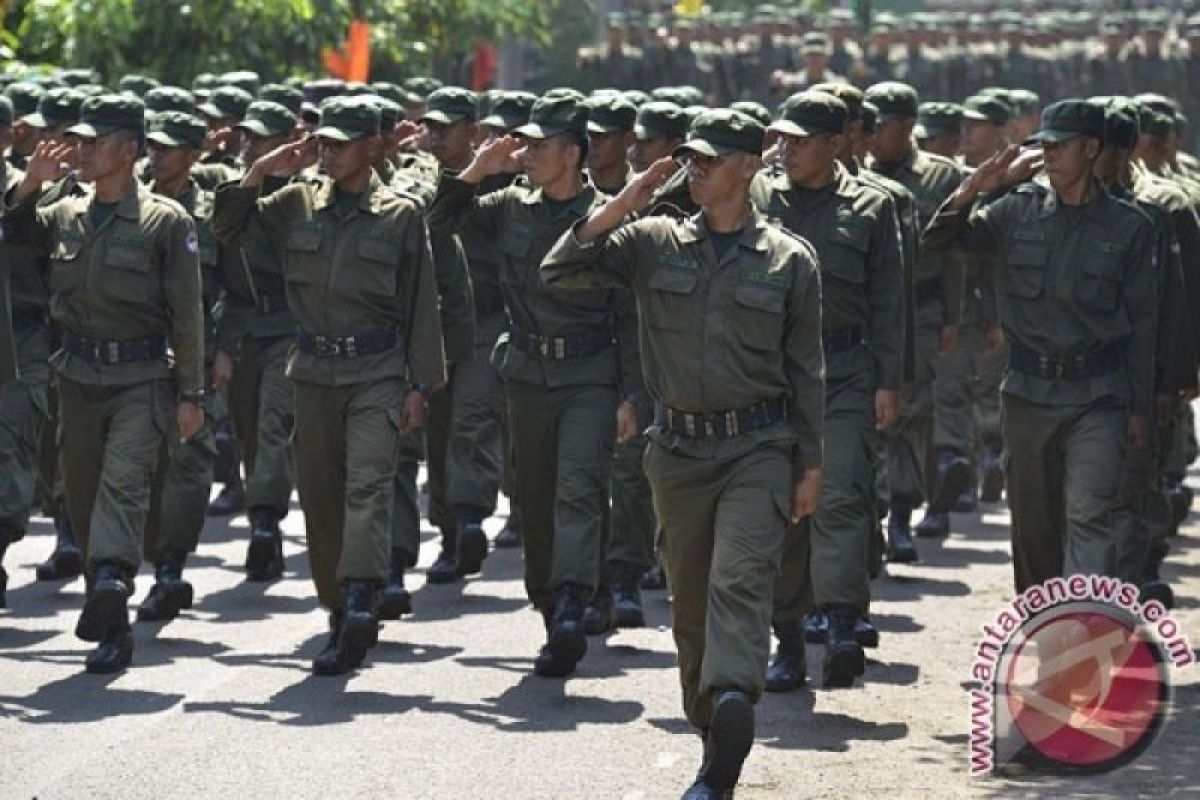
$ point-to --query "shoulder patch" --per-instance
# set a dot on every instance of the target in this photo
(192, 242)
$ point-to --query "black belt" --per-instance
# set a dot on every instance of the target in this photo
(360, 344)
(268, 303)
(1071, 368)
(723, 424)
(841, 339)
(926, 291)
(113, 351)
(24, 317)
(561, 348)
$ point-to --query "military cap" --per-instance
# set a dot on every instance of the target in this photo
(637, 97)
(390, 112)
(510, 110)
(356, 89)
(848, 93)
(205, 80)
(934, 119)
(423, 85)
(811, 113)
(108, 113)
(892, 99)
(553, 116)
(390, 91)
(754, 110)
(24, 97)
(91, 89)
(815, 42)
(226, 102)
(564, 91)
(245, 79)
(1153, 123)
(869, 113)
(176, 129)
(289, 97)
(721, 131)
(169, 98)
(1068, 119)
(1161, 103)
(660, 118)
(450, 105)
(610, 114)
(1111, 26)
(1121, 122)
(1024, 101)
(266, 118)
(986, 108)
(77, 77)
(317, 92)
(137, 85)
(57, 107)
(6, 111)
(345, 119)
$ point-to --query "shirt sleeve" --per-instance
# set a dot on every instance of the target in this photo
(804, 363)
(426, 357)
(885, 296)
(184, 293)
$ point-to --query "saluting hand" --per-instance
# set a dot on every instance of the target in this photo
(637, 193)
(49, 162)
(408, 134)
(988, 177)
(284, 161)
(494, 158)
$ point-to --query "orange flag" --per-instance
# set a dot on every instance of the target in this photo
(353, 63)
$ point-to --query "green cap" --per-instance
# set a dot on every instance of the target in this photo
(24, 97)
(721, 131)
(810, 114)
(245, 79)
(289, 97)
(205, 80)
(754, 110)
(390, 112)
(227, 102)
(317, 92)
(510, 110)
(934, 119)
(265, 118)
(892, 99)
(345, 119)
(170, 98)
(77, 77)
(986, 108)
(1024, 102)
(137, 85)
(815, 42)
(390, 91)
(57, 107)
(610, 114)
(1153, 123)
(637, 97)
(6, 111)
(450, 105)
(1121, 121)
(107, 113)
(423, 85)
(660, 118)
(553, 116)
(1067, 119)
(176, 129)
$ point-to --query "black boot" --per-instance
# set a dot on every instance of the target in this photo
(510, 535)
(1153, 587)
(967, 502)
(104, 609)
(726, 745)
(1179, 498)
(655, 579)
(170, 592)
(229, 501)
(355, 629)
(66, 562)
(953, 478)
(566, 641)
(787, 672)
(627, 596)
(472, 542)
(395, 601)
(113, 654)
(816, 627)
(934, 525)
(264, 554)
(865, 633)
(991, 485)
(844, 659)
(900, 547)
(598, 617)
(445, 569)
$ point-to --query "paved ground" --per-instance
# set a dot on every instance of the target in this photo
(221, 701)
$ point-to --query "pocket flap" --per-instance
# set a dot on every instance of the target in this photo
(761, 298)
(673, 280)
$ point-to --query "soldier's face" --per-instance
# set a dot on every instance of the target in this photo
(646, 151)
(255, 147)
(808, 160)
(979, 140)
(346, 160)
(169, 163)
(104, 156)
(547, 161)
(944, 144)
(450, 144)
(1070, 161)
(608, 150)
(717, 179)
(891, 140)
(815, 62)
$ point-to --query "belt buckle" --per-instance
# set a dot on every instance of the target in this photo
(1043, 366)
(709, 432)
(560, 348)
(731, 423)
(326, 347)
(543, 346)
(689, 425)
(1060, 368)
(350, 347)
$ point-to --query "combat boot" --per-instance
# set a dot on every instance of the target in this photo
(726, 744)
(264, 555)
(105, 606)
(787, 672)
(395, 601)
(66, 562)
(169, 594)
(472, 542)
(900, 547)
(953, 478)
(113, 654)
(816, 627)
(354, 631)
(935, 525)
(510, 535)
(566, 642)
(654, 579)
(627, 596)
(991, 486)
(445, 569)
(229, 501)
(844, 659)
(598, 617)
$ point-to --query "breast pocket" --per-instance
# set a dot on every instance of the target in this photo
(846, 256)
(375, 269)
(669, 303)
(66, 268)
(759, 316)
(1099, 282)
(304, 264)
(1024, 273)
(514, 248)
(126, 272)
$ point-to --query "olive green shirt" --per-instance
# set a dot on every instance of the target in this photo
(26, 282)
(345, 276)
(716, 334)
(1068, 285)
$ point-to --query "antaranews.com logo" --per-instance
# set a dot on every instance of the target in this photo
(1073, 676)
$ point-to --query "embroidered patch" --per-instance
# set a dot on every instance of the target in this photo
(192, 243)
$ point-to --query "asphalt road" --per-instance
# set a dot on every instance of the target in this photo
(221, 703)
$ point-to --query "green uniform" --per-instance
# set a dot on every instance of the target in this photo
(359, 279)
(721, 337)
(1076, 297)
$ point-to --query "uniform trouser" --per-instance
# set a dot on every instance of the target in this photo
(909, 453)
(22, 414)
(826, 561)
(110, 442)
(406, 508)
(563, 448)
(1180, 447)
(1063, 475)
(182, 483)
(1143, 515)
(261, 401)
(967, 394)
(629, 535)
(475, 450)
(437, 438)
(723, 530)
(49, 462)
(347, 446)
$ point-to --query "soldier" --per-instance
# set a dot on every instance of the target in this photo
(853, 227)
(938, 128)
(24, 98)
(659, 128)
(125, 281)
(815, 50)
(359, 277)
(223, 110)
(169, 98)
(735, 448)
(560, 362)
(1076, 298)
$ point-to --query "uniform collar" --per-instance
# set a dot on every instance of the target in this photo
(579, 205)
(1093, 208)
(370, 201)
(754, 235)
